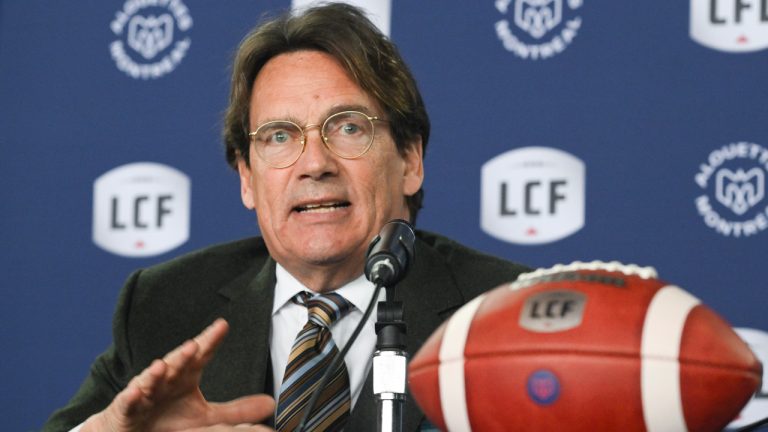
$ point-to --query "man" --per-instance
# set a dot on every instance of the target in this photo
(327, 131)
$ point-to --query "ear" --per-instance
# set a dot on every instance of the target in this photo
(413, 175)
(246, 184)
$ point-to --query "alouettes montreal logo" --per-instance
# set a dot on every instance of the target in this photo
(152, 37)
(538, 29)
(733, 180)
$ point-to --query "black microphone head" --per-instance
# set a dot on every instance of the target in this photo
(390, 253)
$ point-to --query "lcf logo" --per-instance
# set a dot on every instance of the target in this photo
(553, 311)
(730, 25)
(141, 209)
(532, 195)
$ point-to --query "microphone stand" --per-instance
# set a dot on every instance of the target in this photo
(389, 364)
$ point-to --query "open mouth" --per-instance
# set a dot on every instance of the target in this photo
(321, 208)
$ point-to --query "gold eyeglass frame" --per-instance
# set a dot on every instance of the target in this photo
(321, 127)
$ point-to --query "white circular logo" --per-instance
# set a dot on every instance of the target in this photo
(532, 195)
(737, 26)
(141, 209)
(152, 37)
(733, 180)
(538, 29)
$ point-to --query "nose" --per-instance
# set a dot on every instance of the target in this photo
(317, 161)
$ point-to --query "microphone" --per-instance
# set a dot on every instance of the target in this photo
(390, 253)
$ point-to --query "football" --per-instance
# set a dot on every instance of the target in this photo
(584, 347)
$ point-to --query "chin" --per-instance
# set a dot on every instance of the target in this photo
(330, 251)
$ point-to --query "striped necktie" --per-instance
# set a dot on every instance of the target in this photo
(311, 354)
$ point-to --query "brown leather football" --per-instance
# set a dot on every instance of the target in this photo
(584, 347)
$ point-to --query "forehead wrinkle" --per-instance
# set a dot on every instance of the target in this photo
(350, 97)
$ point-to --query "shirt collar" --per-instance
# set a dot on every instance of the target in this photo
(358, 292)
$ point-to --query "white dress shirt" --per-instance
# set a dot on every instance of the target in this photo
(289, 318)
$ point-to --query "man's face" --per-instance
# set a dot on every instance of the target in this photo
(318, 215)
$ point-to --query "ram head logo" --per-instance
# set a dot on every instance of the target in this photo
(537, 17)
(150, 35)
(740, 190)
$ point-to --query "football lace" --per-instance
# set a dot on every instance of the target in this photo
(612, 266)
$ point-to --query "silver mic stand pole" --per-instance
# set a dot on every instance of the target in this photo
(389, 365)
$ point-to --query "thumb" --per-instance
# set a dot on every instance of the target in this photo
(248, 409)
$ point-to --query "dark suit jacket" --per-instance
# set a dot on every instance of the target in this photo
(164, 305)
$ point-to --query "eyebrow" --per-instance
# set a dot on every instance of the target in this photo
(329, 112)
(340, 108)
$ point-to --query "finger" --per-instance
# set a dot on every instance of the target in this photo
(140, 390)
(190, 357)
(248, 409)
(149, 378)
(210, 339)
(180, 356)
(180, 360)
(128, 401)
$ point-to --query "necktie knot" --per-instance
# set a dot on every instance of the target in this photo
(323, 309)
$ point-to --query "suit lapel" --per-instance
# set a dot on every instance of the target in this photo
(429, 295)
(242, 365)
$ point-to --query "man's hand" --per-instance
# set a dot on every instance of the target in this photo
(166, 396)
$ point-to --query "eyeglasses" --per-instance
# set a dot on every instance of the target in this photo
(347, 134)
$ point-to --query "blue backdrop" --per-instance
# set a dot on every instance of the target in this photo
(629, 93)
